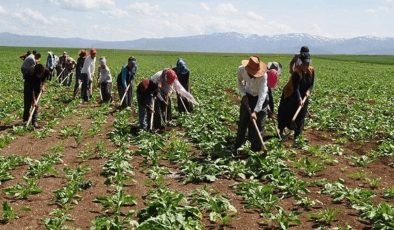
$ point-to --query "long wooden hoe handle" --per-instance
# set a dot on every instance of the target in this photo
(259, 134)
(33, 110)
(183, 103)
(299, 109)
(124, 95)
(58, 76)
(152, 114)
(66, 77)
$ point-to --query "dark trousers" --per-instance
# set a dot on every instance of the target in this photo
(27, 102)
(286, 111)
(127, 101)
(245, 124)
(144, 113)
(166, 111)
(76, 85)
(121, 91)
(129, 96)
(51, 73)
(106, 89)
(85, 87)
(69, 74)
(186, 103)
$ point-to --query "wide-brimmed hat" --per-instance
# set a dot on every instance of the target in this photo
(254, 66)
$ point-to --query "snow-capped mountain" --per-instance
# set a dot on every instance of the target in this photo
(221, 42)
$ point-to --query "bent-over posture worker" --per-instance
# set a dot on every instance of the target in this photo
(183, 74)
(252, 85)
(299, 85)
(169, 82)
(34, 84)
(125, 78)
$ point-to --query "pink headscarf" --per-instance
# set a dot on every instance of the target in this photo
(272, 81)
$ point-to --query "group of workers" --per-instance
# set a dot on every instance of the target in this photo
(256, 81)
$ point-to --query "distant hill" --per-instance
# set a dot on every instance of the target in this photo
(219, 42)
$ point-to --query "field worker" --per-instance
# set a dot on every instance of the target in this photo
(125, 78)
(168, 80)
(252, 85)
(61, 65)
(273, 74)
(299, 85)
(147, 91)
(51, 64)
(296, 61)
(69, 70)
(183, 74)
(105, 80)
(30, 61)
(87, 73)
(24, 56)
(34, 83)
(78, 68)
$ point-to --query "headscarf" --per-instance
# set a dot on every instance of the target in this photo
(103, 61)
(181, 67)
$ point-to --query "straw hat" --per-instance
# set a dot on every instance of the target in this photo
(254, 66)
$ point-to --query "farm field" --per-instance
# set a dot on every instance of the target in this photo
(87, 168)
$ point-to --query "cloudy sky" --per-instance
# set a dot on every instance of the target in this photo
(129, 19)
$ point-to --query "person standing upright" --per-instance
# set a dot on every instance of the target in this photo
(61, 65)
(78, 69)
(296, 61)
(125, 78)
(252, 85)
(183, 74)
(87, 73)
(105, 80)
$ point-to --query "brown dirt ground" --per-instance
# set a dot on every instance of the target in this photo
(86, 210)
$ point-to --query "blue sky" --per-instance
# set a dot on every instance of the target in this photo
(128, 20)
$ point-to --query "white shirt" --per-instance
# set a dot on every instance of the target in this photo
(104, 75)
(88, 66)
(167, 88)
(253, 86)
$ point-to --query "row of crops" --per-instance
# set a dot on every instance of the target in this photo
(186, 177)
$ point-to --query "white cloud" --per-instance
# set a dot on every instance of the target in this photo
(255, 16)
(205, 6)
(2, 10)
(32, 15)
(371, 11)
(116, 12)
(144, 8)
(226, 8)
(84, 5)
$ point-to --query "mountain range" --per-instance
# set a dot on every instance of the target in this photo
(231, 42)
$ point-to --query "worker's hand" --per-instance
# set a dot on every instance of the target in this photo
(244, 100)
(308, 93)
(301, 102)
(253, 116)
(43, 88)
(270, 114)
(150, 108)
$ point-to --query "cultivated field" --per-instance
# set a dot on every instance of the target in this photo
(88, 168)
